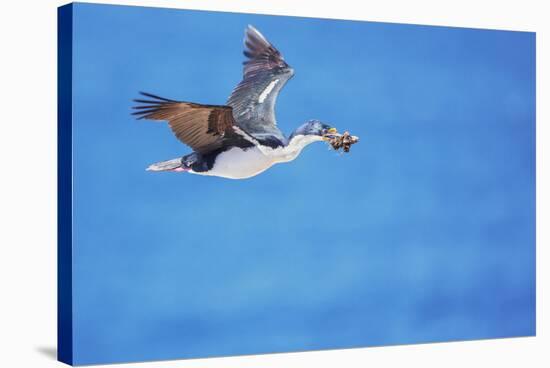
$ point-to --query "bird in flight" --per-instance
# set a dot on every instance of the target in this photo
(240, 139)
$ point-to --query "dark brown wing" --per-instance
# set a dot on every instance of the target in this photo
(204, 128)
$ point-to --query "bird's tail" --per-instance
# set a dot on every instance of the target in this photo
(170, 165)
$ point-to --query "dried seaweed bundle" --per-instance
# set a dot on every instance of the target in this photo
(342, 141)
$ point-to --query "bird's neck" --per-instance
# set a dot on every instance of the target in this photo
(296, 144)
(299, 141)
(290, 150)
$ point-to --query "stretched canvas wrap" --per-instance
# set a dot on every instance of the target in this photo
(340, 184)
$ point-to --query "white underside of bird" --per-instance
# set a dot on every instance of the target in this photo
(237, 163)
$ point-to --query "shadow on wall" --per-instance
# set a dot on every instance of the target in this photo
(48, 351)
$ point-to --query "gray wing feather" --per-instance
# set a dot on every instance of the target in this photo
(264, 74)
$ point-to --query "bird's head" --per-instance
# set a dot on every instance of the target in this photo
(314, 128)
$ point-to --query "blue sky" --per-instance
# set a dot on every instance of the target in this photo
(425, 232)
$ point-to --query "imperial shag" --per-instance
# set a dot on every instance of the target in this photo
(241, 139)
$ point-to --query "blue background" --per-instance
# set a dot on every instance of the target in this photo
(425, 232)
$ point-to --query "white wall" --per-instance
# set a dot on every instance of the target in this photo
(28, 180)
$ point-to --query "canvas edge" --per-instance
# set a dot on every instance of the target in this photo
(64, 184)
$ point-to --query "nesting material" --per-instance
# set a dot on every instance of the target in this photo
(342, 141)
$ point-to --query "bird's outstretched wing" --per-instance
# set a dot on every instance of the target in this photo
(204, 128)
(265, 73)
